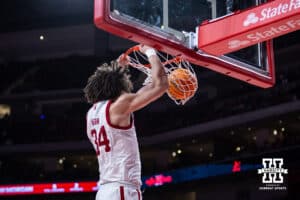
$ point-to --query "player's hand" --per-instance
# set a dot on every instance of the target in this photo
(123, 60)
(144, 48)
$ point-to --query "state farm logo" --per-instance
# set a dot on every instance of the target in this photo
(233, 44)
(271, 12)
(259, 36)
(251, 19)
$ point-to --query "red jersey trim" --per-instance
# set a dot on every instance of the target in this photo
(122, 196)
(139, 194)
(116, 126)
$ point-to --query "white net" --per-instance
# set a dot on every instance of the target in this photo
(183, 82)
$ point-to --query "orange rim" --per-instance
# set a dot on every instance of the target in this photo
(176, 59)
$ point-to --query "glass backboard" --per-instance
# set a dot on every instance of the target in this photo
(170, 26)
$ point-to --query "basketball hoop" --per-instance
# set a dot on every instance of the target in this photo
(182, 79)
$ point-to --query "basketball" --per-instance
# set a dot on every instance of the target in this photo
(182, 84)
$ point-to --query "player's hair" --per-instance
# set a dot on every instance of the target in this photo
(107, 82)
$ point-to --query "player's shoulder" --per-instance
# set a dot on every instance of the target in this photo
(92, 109)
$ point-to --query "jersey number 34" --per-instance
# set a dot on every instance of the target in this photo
(100, 139)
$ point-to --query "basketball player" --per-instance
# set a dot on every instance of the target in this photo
(110, 125)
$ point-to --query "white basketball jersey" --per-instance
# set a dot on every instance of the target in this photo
(116, 147)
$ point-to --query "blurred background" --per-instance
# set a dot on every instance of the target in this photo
(209, 148)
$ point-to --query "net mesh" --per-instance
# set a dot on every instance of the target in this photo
(182, 79)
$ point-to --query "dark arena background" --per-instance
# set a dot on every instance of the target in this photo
(209, 149)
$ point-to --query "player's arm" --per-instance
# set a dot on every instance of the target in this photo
(128, 103)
